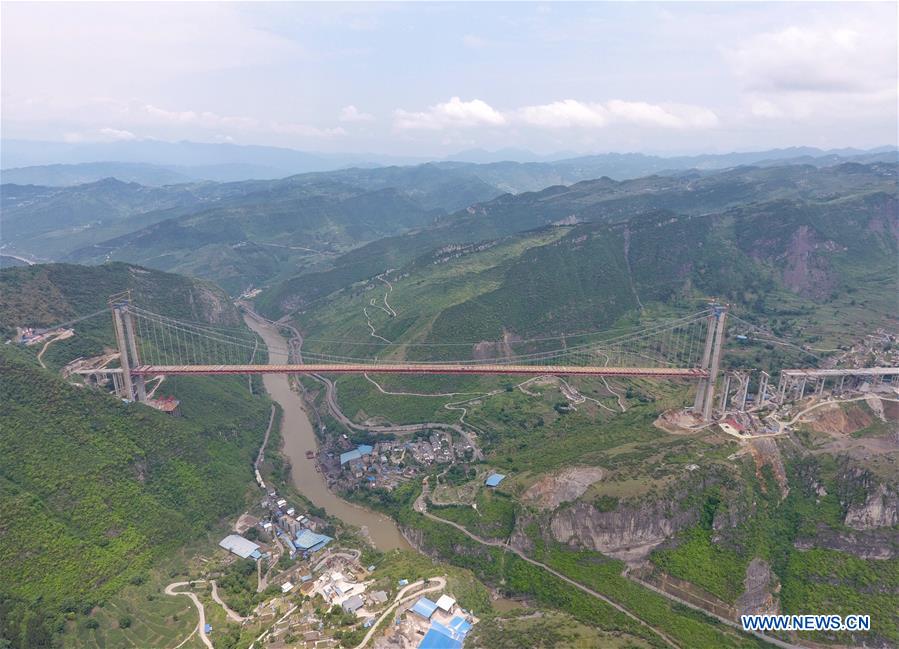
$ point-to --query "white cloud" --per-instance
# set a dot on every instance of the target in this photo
(565, 114)
(205, 119)
(838, 69)
(352, 114)
(562, 114)
(852, 56)
(116, 134)
(798, 59)
(571, 113)
(453, 113)
(680, 116)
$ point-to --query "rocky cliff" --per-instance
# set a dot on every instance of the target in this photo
(628, 533)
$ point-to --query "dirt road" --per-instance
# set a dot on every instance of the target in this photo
(201, 625)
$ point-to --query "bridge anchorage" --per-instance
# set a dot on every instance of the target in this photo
(688, 348)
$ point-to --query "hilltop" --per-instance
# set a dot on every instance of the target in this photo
(694, 222)
(45, 295)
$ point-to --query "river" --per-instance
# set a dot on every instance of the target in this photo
(298, 437)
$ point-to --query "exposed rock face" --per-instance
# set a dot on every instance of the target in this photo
(213, 305)
(881, 509)
(765, 451)
(628, 533)
(567, 485)
(804, 271)
(865, 544)
(757, 597)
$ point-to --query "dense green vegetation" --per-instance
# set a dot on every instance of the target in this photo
(548, 631)
(713, 567)
(51, 294)
(812, 580)
(666, 252)
(516, 577)
(93, 490)
(238, 586)
(493, 518)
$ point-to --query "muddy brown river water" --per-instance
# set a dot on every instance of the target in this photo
(298, 437)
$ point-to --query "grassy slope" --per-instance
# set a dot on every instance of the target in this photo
(94, 492)
(94, 489)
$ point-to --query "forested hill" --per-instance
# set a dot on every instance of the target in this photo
(44, 295)
(735, 206)
(93, 491)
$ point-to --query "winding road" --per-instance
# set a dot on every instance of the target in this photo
(400, 599)
(201, 625)
(421, 507)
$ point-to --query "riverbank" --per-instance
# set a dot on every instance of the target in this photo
(298, 436)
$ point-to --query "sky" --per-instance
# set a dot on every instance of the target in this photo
(435, 78)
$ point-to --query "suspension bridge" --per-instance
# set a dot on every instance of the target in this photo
(687, 348)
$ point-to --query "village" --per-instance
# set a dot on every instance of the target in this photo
(318, 595)
(387, 464)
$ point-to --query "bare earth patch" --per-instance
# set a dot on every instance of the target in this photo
(838, 419)
(553, 490)
(677, 422)
(765, 451)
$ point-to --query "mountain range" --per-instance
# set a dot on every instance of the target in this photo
(150, 162)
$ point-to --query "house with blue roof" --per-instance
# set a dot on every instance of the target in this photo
(424, 607)
(494, 479)
(356, 454)
(435, 640)
(244, 548)
(446, 636)
(459, 625)
(309, 541)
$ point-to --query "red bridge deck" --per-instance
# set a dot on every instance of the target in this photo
(425, 368)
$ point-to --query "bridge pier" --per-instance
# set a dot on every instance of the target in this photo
(119, 327)
(725, 393)
(702, 388)
(720, 315)
(135, 359)
(762, 395)
(133, 385)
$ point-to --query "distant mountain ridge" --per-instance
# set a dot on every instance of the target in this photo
(156, 163)
(601, 201)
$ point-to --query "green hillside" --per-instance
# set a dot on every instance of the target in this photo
(810, 263)
(94, 491)
(44, 295)
(603, 201)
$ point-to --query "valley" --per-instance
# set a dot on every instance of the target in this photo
(444, 325)
(605, 500)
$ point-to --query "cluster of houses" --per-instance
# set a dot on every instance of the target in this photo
(443, 624)
(386, 464)
(30, 336)
(298, 533)
(337, 588)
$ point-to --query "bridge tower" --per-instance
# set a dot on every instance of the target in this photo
(123, 324)
(711, 361)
